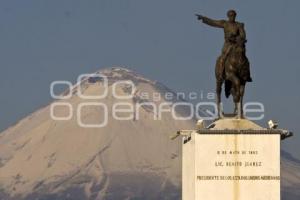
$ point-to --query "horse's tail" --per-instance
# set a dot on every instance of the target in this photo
(228, 86)
(244, 72)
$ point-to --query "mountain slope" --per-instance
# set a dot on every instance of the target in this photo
(290, 177)
(130, 159)
(44, 157)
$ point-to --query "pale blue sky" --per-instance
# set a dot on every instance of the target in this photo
(42, 41)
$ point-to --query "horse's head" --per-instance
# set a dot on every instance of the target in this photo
(240, 46)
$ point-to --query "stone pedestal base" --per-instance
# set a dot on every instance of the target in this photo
(237, 164)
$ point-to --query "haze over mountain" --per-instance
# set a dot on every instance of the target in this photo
(42, 158)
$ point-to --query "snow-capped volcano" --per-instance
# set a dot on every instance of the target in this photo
(126, 158)
(62, 158)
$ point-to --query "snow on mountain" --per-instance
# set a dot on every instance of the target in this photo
(47, 158)
(42, 158)
(290, 177)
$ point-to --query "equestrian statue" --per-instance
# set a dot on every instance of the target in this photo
(232, 66)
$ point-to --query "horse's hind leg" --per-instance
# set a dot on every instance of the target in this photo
(218, 91)
(242, 91)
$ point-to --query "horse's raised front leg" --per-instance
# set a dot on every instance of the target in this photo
(236, 94)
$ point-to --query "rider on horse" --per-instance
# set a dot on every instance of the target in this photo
(233, 31)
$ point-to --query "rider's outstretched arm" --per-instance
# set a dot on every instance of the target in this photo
(214, 23)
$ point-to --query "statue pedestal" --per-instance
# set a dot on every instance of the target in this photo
(235, 159)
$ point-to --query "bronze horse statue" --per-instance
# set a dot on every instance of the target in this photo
(234, 72)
